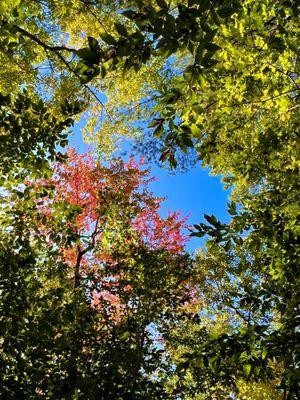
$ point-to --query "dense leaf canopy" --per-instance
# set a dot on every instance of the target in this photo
(99, 299)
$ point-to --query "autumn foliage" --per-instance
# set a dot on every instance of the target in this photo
(116, 195)
(113, 211)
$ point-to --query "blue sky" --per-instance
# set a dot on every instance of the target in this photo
(194, 192)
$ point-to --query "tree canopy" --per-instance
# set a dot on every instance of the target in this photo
(99, 298)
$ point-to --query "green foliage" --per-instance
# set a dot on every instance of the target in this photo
(265, 230)
(29, 134)
(53, 342)
(218, 77)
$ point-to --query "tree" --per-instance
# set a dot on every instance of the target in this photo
(62, 70)
(267, 238)
(208, 40)
(96, 272)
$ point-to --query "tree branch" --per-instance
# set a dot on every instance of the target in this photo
(81, 253)
(39, 41)
(57, 51)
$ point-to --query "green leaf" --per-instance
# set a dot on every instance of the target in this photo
(211, 219)
(232, 209)
(88, 55)
(107, 38)
(93, 44)
(209, 33)
(198, 234)
(209, 62)
(130, 14)
(4, 100)
(247, 369)
(212, 47)
(169, 26)
(227, 246)
(125, 336)
(158, 131)
(182, 366)
(226, 12)
(121, 29)
(162, 4)
(264, 354)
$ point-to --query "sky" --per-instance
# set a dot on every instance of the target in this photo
(195, 192)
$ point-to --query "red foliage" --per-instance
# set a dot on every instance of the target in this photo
(115, 208)
(84, 182)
